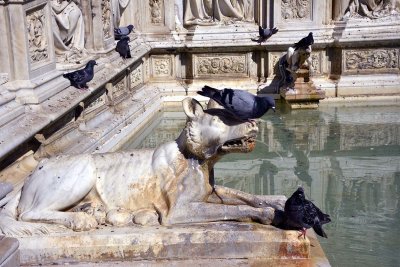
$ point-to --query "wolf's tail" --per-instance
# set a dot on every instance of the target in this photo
(11, 227)
(208, 91)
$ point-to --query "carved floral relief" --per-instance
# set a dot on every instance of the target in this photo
(100, 101)
(119, 88)
(296, 9)
(162, 66)
(373, 59)
(37, 37)
(106, 18)
(156, 8)
(136, 77)
(221, 65)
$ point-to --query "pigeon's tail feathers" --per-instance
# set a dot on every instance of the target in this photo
(274, 30)
(318, 229)
(208, 91)
(260, 30)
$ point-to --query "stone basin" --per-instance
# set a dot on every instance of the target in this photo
(224, 243)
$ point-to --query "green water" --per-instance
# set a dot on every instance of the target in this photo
(346, 158)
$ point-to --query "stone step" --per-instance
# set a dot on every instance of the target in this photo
(197, 242)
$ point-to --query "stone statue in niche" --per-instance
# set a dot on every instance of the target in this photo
(209, 12)
(171, 184)
(372, 9)
(118, 7)
(68, 29)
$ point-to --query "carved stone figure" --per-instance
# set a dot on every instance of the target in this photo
(206, 12)
(68, 26)
(171, 184)
(291, 62)
(365, 8)
(118, 7)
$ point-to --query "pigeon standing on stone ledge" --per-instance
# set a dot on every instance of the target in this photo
(242, 104)
(304, 42)
(301, 214)
(79, 78)
(123, 47)
(123, 31)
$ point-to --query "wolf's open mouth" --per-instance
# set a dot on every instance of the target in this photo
(245, 144)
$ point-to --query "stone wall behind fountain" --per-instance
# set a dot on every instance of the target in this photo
(175, 50)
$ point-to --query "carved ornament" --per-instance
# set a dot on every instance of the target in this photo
(296, 9)
(371, 59)
(37, 37)
(225, 65)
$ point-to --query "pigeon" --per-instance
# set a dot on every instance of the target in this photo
(240, 103)
(123, 47)
(301, 214)
(266, 33)
(304, 42)
(79, 78)
(123, 31)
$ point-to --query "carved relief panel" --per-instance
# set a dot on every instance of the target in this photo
(234, 65)
(370, 60)
(106, 18)
(162, 66)
(37, 35)
(273, 59)
(136, 77)
(296, 10)
(156, 8)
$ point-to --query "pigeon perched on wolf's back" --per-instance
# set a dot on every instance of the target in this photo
(301, 214)
(266, 33)
(304, 42)
(242, 104)
(123, 31)
(80, 77)
(123, 47)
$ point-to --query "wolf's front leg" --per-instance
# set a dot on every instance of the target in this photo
(229, 196)
(210, 212)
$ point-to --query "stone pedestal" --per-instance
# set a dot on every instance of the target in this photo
(305, 94)
(9, 253)
(228, 241)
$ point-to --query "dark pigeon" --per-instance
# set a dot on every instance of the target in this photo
(79, 78)
(266, 33)
(123, 47)
(301, 214)
(305, 42)
(122, 31)
(242, 104)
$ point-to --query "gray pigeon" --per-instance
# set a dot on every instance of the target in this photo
(123, 31)
(266, 33)
(304, 42)
(79, 78)
(242, 104)
(123, 47)
(301, 214)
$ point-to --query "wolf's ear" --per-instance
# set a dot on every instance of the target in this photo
(213, 104)
(192, 108)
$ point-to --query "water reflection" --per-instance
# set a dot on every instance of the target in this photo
(347, 159)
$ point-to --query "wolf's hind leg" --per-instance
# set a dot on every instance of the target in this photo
(77, 221)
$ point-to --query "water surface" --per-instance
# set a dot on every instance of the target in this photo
(346, 158)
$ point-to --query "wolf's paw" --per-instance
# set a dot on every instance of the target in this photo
(81, 221)
(119, 217)
(267, 215)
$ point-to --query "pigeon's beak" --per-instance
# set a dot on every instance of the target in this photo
(273, 108)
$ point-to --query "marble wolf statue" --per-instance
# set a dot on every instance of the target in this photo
(171, 184)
